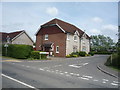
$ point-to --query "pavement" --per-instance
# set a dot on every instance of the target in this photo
(79, 72)
(108, 70)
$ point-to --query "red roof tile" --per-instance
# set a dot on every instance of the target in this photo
(11, 35)
(67, 27)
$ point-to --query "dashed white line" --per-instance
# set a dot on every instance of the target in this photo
(105, 80)
(95, 80)
(65, 72)
(87, 76)
(84, 78)
(114, 84)
(19, 81)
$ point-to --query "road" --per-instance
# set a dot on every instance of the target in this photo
(79, 72)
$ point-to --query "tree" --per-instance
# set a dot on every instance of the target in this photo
(101, 43)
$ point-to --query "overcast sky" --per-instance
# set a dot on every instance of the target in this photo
(93, 17)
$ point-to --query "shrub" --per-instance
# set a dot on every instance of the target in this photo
(43, 56)
(91, 53)
(68, 56)
(17, 51)
(35, 54)
(74, 54)
(115, 61)
(82, 53)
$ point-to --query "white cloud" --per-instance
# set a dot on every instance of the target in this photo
(95, 31)
(53, 11)
(110, 27)
(97, 19)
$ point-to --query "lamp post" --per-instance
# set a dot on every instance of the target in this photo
(6, 45)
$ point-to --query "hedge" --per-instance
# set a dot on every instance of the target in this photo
(17, 51)
(82, 53)
(37, 55)
(115, 61)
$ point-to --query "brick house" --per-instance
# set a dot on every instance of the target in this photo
(18, 37)
(61, 38)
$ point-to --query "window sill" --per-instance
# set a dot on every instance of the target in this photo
(57, 52)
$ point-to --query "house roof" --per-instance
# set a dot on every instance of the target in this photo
(67, 27)
(11, 35)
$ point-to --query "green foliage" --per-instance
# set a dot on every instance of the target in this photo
(68, 56)
(91, 53)
(82, 53)
(17, 51)
(35, 54)
(102, 43)
(113, 61)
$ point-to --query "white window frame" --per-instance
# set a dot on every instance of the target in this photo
(57, 49)
(74, 37)
(68, 36)
(46, 36)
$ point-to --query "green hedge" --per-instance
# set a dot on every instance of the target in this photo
(91, 53)
(17, 51)
(82, 53)
(37, 55)
(115, 61)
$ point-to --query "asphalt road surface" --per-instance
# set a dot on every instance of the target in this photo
(79, 72)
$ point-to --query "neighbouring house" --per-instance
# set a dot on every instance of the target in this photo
(61, 38)
(18, 37)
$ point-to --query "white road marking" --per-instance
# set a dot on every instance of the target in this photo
(71, 73)
(41, 69)
(87, 76)
(57, 70)
(105, 80)
(85, 63)
(67, 75)
(84, 78)
(95, 80)
(28, 66)
(114, 84)
(61, 73)
(65, 72)
(19, 81)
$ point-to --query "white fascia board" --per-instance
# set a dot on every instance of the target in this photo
(37, 31)
(60, 28)
(77, 32)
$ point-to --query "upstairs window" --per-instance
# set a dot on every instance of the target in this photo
(46, 36)
(75, 38)
(68, 36)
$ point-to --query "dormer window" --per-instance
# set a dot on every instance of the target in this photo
(46, 36)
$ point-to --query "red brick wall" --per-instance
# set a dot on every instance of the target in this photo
(56, 36)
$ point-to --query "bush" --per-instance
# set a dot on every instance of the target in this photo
(74, 54)
(35, 54)
(82, 53)
(102, 52)
(91, 53)
(17, 51)
(43, 56)
(68, 56)
(115, 61)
